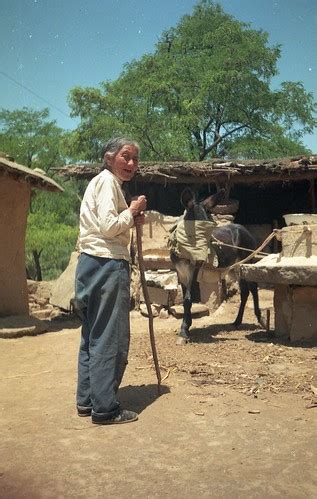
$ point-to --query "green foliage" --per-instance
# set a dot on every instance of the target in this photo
(63, 205)
(30, 138)
(251, 147)
(205, 89)
(52, 230)
(52, 240)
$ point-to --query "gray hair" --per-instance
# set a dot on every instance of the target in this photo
(114, 145)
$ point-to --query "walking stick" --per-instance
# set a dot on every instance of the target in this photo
(148, 306)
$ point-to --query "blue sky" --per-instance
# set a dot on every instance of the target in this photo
(50, 46)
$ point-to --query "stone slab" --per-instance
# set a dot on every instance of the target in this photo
(198, 310)
(275, 269)
(64, 288)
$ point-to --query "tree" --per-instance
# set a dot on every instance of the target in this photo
(48, 246)
(205, 89)
(249, 147)
(52, 231)
(31, 138)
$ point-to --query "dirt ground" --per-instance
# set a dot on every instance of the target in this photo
(236, 417)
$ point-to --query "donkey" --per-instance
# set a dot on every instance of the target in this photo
(187, 270)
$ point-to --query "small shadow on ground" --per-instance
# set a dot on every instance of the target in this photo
(209, 334)
(264, 337)
(62, 322)
(137, 398)
(270, 337)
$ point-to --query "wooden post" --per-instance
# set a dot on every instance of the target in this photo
(228, 187)
(312, 196)
(275, 241)
(268, 316)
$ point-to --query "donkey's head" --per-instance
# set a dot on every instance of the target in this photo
(199, 210)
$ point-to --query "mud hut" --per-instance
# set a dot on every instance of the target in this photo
(16, 184)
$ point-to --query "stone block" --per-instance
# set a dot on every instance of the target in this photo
(304, 323)
(159, 295)
(144, 311)
(44, 313)
(296, 312)
(211, 292)
(166, 279)
(210, 296)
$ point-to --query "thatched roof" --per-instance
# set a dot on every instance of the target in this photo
(37, 179)
(250, 171)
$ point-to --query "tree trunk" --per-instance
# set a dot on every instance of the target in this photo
(28, 275)
(36, 257)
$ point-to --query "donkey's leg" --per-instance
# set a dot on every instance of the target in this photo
(187, 317)
(244, 293)
(185, 272)
(254, 290)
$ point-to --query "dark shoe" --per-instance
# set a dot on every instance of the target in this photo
(124, 417)
(84, 411)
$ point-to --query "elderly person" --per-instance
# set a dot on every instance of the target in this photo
(102, 287)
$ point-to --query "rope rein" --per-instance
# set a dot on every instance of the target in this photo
(216, 242)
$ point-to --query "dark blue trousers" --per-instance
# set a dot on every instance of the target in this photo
(102, 293)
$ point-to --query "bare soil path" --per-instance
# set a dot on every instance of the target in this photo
(236, 419)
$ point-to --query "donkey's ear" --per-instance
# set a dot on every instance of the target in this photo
(213, 200)
(187, 198)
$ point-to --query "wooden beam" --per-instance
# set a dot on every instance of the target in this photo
(235, 178)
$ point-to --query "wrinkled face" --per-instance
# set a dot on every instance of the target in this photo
(125, 163)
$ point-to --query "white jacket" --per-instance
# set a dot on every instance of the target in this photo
(105, 220)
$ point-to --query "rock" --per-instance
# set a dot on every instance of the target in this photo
(42, 301)
(166, 279)
(64, 287)
(34, 306)
(32, 286)
(164, 313)
(44, 313)
(198, 310)
(143, 310)
(41, 289)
